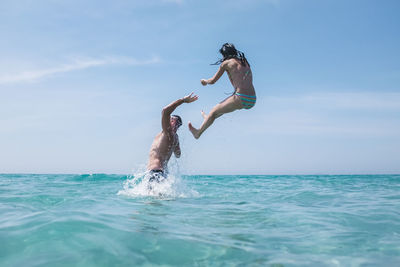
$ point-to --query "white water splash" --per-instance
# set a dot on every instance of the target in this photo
(139, 185)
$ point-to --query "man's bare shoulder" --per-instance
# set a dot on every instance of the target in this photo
(167, 133)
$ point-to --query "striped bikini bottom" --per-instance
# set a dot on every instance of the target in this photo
(248, 101)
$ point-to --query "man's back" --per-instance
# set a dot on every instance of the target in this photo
(161, 150)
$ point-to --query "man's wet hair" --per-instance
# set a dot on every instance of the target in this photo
(179, 119)
(229, 51)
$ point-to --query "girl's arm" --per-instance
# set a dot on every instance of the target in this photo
(216, 77)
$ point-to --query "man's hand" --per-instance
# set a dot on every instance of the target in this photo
(190, 98)
(203, 82)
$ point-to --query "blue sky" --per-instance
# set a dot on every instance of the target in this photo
(83, 83)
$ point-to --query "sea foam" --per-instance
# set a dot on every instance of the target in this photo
(139, 185)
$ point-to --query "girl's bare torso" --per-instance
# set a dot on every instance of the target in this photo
(240, 76)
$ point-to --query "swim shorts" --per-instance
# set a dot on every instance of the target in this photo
(156, 176)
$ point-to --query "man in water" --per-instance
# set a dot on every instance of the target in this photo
(167, 140)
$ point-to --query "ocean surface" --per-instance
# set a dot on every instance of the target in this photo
(116, 220)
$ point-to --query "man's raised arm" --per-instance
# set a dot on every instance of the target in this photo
(167, 111)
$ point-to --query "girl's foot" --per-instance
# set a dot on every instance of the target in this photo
(203, 114)
(194, 131)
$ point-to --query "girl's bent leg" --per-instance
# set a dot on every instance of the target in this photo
(230, 104)
(204, 115)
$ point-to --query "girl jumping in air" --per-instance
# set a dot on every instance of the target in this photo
(239, 73)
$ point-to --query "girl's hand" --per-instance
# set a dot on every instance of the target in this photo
(203, 82)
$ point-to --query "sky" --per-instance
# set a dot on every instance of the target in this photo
(83, 83)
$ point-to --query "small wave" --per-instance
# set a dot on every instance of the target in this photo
(139, 185)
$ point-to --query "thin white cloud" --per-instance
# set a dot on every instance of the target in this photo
(342, 101)
(245, 3)
(174, 1)
(78, 64)
(339, 114)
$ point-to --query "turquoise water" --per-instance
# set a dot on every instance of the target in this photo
(108, 220)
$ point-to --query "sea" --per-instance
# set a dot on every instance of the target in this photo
(199, 220)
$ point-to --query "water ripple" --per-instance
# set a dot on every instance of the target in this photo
(80, 220)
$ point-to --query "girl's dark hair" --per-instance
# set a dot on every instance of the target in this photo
(229, 51)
